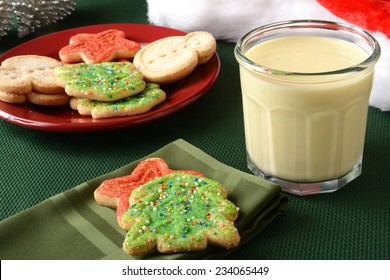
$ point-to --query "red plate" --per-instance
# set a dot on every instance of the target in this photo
(64, 119)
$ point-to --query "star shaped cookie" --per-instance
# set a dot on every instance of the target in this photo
(99, 47)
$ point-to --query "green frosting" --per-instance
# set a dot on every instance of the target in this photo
(150, 93)
(108, 80)
(178, 210)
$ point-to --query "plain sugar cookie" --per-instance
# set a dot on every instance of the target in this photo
(173, 58)
(203, 43)
(11, 97)
(48, 99)
(26, 73)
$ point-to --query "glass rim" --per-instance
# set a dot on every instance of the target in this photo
(307, 23)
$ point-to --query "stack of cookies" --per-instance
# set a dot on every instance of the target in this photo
(170, 210)
(96, 76)
(31, 78)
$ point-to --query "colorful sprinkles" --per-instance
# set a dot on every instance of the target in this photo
(178, 210)
(149, 97)
(107, 81)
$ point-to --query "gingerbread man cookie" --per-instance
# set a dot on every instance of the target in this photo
(25, 73)
(100, 47)
(25, 76)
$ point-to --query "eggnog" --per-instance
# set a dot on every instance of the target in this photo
(305, 128)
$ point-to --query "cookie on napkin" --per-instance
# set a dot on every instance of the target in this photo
(179, 212)
(115, 193)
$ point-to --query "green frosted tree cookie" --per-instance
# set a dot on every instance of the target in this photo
(140, 103)
(107, 81)
(179, 212)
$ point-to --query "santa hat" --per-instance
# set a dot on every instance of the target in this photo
(231, 19)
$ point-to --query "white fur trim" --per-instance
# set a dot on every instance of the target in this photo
(231, 19)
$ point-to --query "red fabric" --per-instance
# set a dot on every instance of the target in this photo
(373, 15)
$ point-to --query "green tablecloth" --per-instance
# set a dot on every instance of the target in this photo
(352, 223)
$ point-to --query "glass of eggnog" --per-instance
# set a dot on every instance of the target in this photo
(305, 90)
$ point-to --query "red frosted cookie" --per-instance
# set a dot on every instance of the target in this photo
(100, 47)
(115, 192)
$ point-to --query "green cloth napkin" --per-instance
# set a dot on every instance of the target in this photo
(71, 225)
